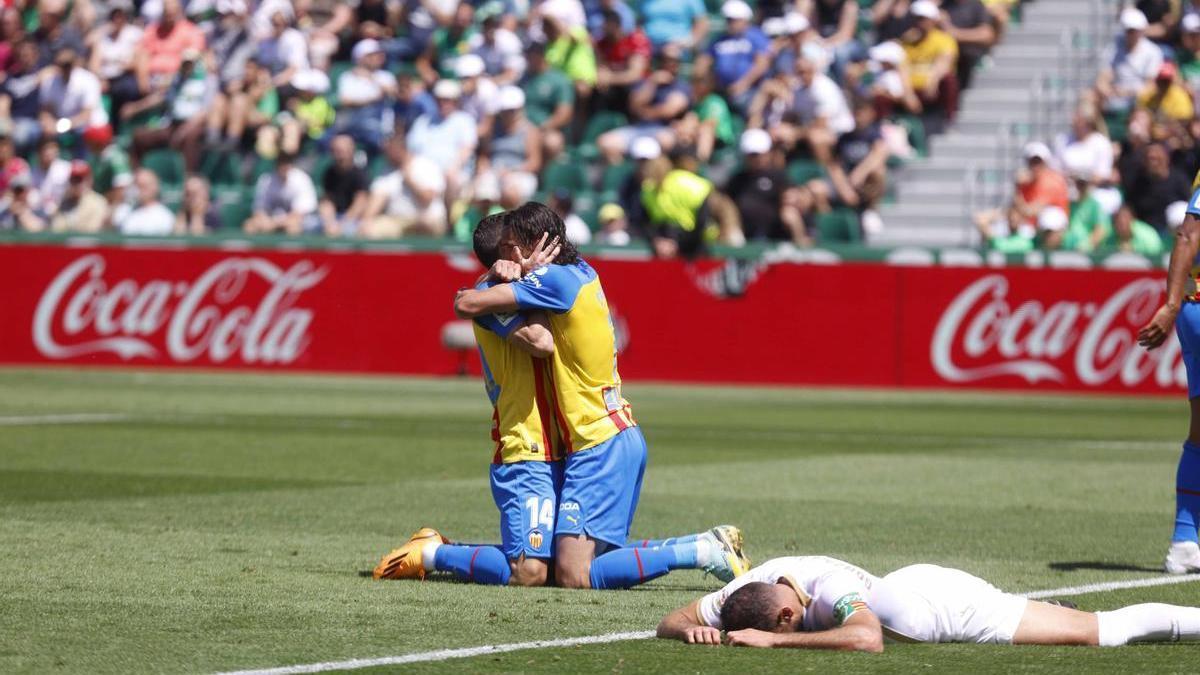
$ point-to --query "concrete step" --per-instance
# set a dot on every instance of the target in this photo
(899, 233)
(928, 208)
(922, 191)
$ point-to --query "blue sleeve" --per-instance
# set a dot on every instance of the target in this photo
(502, 324)
(551, 288)
(759, 40)
(1194, 203)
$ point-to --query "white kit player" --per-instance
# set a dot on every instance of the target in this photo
(814, 602)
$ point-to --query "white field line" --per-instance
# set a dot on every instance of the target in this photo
(69, 418)
(466, 652)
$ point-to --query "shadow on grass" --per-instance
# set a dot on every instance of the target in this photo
(1104, 566)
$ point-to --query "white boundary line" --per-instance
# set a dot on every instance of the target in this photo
(72, 418)
(466, 652)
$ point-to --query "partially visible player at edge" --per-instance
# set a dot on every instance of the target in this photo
(1182, 309)
(605, 450)
(527, 471)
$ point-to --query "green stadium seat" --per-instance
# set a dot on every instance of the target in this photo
(839, 226)
(234, 204)
(614, 175)
(167, 165)
(564, 175)
(602, 121)
(261, 166)
(586, 205)
(916, 133)
(221, 168)
(801, 171)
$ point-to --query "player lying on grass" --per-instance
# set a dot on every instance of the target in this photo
(527, 473)
(1182, 312)
(814, 602)
(605, 452)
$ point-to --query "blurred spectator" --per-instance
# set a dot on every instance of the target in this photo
(1039, 186)
(933, 60)
(806, 110)
(739, 57)
(248, 107)
(197, 215)
(1016, 236)
(148, 217)
(410, 200)
(111, 169)
(17, 210)
(230, 41)
(1128, 234)
(50, 176)
(857, 169)
(685, 212)
(114, 53)
(797, 41)
(446, 44)
(181, 113)
(1129, 65)
(680, 22)
(448, 138)
(709, 123)
(11, 165)
(759, 189)
(501, 50)
(70, 96)
(284, 53)
(892, 89)
(514, 147)
(663, 98)
(624, 61)
(549, 99)
(54, 34)
(569, 48)
(1089, 224)
(836, 22)
(345, 190)
(20, 96)
(597, 11)
(412, 100)
(160, 52)
(629, 193)
(82, 209)
(309, 114)
(891, 19)
(1188, 52)
(1154, 185)
(614, 226)
(970, 24)
(1085, 146)
(285, 200)
(478, 92)
(1162, 17)
(1166, 97)
(577, 231)
(12, 31)
(364, 96)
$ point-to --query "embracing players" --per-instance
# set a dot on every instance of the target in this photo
(814, 602)
(1182, 310)
(576, 511)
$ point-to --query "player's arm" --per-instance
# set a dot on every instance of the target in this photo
(684, 624)
(861, 632)
(1187, 244)
(533, 336)
(473, 302)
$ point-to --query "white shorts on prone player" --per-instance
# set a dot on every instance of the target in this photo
(928, 603)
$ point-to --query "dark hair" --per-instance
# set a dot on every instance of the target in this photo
(751, 606)
(530, 220)
(486, 240)
(611, 15)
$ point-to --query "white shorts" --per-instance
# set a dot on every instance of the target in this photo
(928, 603)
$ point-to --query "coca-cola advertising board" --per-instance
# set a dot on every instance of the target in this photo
(849, 324)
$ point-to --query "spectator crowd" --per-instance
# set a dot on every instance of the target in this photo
(676, 122)
(1120, 177)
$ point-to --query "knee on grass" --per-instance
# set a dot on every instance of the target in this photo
(529, 572)
(572, 576)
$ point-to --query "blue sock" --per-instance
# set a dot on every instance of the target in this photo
(655, 543)
(626, 567)
(477, 564)
(1187, 494)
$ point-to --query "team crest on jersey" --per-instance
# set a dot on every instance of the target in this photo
(536, 539)
(846, 606)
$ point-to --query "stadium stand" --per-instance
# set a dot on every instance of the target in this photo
(682, 122)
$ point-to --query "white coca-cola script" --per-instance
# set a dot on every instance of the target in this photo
(983, 335)
(239, 307)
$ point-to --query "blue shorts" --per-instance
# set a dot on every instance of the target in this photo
(1187, 327)
(601, 486)
(527, 495)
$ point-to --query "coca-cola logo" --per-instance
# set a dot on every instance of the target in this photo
(983, 335)
(243, 307)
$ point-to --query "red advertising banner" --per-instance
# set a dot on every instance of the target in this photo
(846, 324)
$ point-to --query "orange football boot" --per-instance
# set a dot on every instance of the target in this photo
(405, 562)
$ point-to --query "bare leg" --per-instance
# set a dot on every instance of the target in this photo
(1045, 624)
(573, 561)
(529, 572)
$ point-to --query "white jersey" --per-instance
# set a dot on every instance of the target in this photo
(918, 603)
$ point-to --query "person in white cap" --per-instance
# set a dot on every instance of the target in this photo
(932, 59)
(365, 94)
(514, 144)
(447, 137)
(1039, 186)
(479, 93)
(760, 192)
(740, 57)
(1129, 64)
(1188, 51)
(892, 88)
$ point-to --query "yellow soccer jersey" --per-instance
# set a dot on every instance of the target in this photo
(587, 388)
(519, 387)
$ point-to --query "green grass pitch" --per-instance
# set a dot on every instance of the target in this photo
(205, 522)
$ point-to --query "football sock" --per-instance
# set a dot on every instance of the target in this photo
(1187, 494)
(655, 543)
(1151, 622)
(626, 567)
(476, 564)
